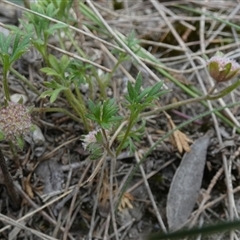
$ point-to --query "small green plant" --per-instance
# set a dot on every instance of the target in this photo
(137, 100)
(11, 49)
(14, 117)
(104, 115)
(15, 121)
(64, 76)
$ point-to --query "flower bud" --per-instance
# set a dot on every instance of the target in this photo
(15, 121)
(90, 138)
(222, 69)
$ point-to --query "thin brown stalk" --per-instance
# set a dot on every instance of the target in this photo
(8, 181)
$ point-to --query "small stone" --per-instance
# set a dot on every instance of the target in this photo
(16, 98)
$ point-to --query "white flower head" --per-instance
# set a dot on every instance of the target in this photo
(222, 68)
(90, 138)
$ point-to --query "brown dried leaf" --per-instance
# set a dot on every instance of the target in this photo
(180, 139)
(28, 187)
(181, 78)
(104, 191)
(126, 202)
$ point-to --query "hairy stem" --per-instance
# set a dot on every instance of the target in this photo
(130, 124)
(78, 107)
(5, 85)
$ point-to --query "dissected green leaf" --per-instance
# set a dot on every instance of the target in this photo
(225, 91)
(138, 83)
(52, 84)
(64, 62)
(104, 113)
(20, 142)
(55, 94)
(54, 63)
(21, 45)
(50, 72)
(131, 92)
(5, 43)
(54, 91)
(141, 96)
(46, 94)
(155, 90)
(54, 27)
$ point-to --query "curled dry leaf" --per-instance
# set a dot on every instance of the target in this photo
(186, 184)
(28, 187)
(180, 139)
(126, 202)
(103, 197)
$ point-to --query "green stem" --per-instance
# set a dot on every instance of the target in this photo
(107, 147)
(13, 149)
(88, 80)
(191, 91)
(131, 121)
(102, 86)
(62, 45)
(44, 50)
(25, 81)
(212, 89)
(78, 93)
(5, 85)
(174, 105)
(120, 60)
(78, 107)
(79, 50)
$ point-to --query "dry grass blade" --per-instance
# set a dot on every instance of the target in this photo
(10, 221)
(161, 223)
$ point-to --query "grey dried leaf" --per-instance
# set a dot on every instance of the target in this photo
(51, 174)
(16, 97)
(186, 184)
